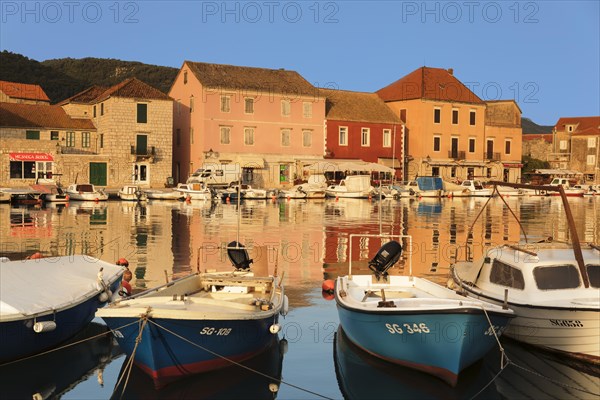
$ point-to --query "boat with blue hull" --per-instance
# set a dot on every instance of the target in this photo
(414, 322)
(44, 302)
(198, 323)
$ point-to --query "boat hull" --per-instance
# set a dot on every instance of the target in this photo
(208, 344)
(438, 343)
(20, 340)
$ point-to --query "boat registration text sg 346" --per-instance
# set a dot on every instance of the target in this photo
(407, 328)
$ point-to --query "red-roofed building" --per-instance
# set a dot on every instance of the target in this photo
(14, 92)
(446, 130)
(576, 146)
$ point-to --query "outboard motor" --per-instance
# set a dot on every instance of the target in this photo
(386, 257)
(238, 256)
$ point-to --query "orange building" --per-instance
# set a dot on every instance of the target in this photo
(447, 132)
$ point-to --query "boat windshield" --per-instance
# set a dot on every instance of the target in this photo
(557, 277)
(506, 275)
(593, 271)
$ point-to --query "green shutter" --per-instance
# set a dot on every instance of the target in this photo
(32, 135)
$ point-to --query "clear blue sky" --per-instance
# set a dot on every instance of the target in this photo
(543, 54)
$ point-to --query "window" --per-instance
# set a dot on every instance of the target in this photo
(507, 147)
(488, 173)
(32, 135)
(249, 105)
(505, 275)
(94, 110)
(435, 171)
(563, 145)
(184, 77)
(472, 119)
(53, 135)
(285, 137)
(437, 115)
(307, 138)
(591, 142)
(226, 104)
(365, 137)
(192, 104)
(454, 117)
(570, 128)
(286, 108)
(556, 277)
(437, 143)
(102, 140)
(343, 136)
(225, 134)
(142, 113)
(593, 271)
(453, 172)
(101, 108)
(471, 145)
(387, 138)
(70, 139)
(249, 136)
(85, 139)
(591, 159)
(191, 135)
(307, 109)
(22, 170)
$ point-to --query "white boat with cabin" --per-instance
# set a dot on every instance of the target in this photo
(353, 186)
(194, 191)
(86, 192)
(132, 193)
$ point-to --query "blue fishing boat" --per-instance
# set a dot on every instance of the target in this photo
(45, 301)
(199, 323)
(412, 321)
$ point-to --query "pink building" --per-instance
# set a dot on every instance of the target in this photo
(269, 122)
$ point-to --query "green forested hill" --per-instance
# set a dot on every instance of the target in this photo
(63, 77)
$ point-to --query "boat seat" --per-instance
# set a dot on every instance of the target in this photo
(238, 256)
(386, 257)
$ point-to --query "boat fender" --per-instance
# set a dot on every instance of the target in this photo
(46, 392)
(285, 306)
(273, 387)
(44, 326)
(274, 329)
(123, 262)
(283, 346)
(105, 296)
(328, 286)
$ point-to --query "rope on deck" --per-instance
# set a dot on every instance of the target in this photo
(239, 364)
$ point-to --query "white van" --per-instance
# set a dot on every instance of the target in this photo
(214, 174)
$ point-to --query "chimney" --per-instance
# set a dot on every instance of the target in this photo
(451, 71)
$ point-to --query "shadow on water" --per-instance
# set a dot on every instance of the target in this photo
(259, 380)
(53, 374)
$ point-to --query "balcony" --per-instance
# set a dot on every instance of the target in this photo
(456, 155)
(143, 153)
(75, 150)
(492, 156)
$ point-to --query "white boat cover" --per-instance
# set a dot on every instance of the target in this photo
(31, 287)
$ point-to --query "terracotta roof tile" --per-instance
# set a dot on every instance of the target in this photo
(23, 91)
(429, 83)
(345, 105)
(133, 88)
(584, 125)
(40, 116)
(251, 78)
(86, 96)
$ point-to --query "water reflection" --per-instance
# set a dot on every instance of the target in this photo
(53, 374)
(259, 378)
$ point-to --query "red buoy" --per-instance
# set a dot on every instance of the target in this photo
(35, 256)
(123, 262)
(328, 286)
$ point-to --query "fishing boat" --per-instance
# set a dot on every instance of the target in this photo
(244, 191)
(553, 287)
(199, 323)
(426, 186)
(131, 193)
(164, 194)
(85, 192)
(45, 301)
(471, 188)
(313, 188)
(412, 321)
(194, 191)
(566, 185)
(353, 186)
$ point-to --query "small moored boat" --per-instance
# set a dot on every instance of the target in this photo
(200, 322)
(163, 194)
(353, 186)
(414, 322)
(194, 191)
(132, 193)
(85, 192)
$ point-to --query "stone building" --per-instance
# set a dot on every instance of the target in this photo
(576, 146)
(537, 146)
(503, 128)
(14, 92)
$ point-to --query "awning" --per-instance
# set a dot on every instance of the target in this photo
(321, 167)
(30, 157)
(390, 162)
(251, 162)
(512, 165)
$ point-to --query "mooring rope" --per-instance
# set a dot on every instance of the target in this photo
(128, 367)
(237, 363)
(564, 385)
(66, 345)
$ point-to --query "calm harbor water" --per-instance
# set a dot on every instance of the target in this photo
(307, 241)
